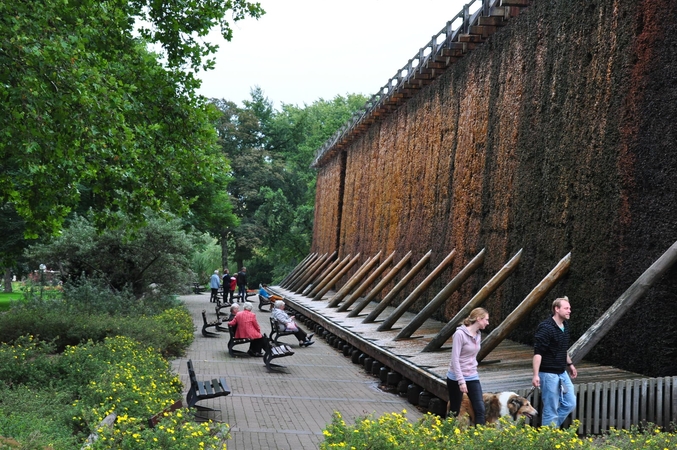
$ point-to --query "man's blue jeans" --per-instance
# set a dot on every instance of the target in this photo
(559, 399)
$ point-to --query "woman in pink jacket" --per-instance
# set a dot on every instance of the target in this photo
(462, 377)
(248, 328)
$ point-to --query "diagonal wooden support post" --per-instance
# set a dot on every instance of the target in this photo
(329, 276)
(496, 281)
(416, 293)
(514, 318)
(378, 288)
(344, 270)
(612, 315)
(368, 282)
(304, 278)
(441, 297)
(318, 272)
(354, 280)
(398, 287)
(304, 272)
(296, 269)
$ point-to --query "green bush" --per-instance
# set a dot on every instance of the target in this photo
(91, 312)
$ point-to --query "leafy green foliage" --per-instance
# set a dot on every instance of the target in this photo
(272, 184)
(153, 259)
(91, 119)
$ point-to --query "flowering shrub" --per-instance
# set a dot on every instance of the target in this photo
(69, 395)
(395, 431)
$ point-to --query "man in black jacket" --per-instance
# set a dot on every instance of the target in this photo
(552, 365)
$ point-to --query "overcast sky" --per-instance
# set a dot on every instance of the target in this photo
(304, 50)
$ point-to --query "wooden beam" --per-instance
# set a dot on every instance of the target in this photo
(299, 268)
(368, 282)
(355, 279)
(377, 289)
(337, 277)
(496, 281)
(599, 329)
(531, 300)
(309, 275)
(441, 297)
(328, 275)
(416, 293)
(371, 317)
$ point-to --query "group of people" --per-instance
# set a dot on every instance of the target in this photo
(552, 366)
(230, 284)
(246, 326)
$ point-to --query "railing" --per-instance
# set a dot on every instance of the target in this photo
(459, 24)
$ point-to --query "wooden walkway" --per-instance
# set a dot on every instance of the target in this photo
(607, 396)
(507, 368)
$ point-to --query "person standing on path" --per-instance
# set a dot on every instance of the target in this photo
(552, 365)
(214, 283)
(242, 284)
(225, 282)
(462, 376)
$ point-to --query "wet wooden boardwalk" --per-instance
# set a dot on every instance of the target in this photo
(506, 368)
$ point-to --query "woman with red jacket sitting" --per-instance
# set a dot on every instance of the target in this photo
(248, 328)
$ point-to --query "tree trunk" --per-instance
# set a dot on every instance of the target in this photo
(224, 252)
(8, 280)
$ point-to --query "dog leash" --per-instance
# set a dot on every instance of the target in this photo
(531, 392)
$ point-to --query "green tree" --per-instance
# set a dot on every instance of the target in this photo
(153, 258)
(273, 185)
(87, 113)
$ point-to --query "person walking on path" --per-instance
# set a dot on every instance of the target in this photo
(552, 365)
(232, 287)
(462, 376)
(242, 284)
(225, 282)
(214, 283)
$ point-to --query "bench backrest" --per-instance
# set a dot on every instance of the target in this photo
(275, 325)
(191, 374)
(204, 315)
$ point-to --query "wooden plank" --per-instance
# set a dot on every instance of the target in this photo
(620, 404)
(659, 402)
(651, 404)
(636, 387)
(667, 388)
(673, 416)
(494, 21)
(598, 411)
(628, 405)
(522, 3)
(604, 407)
(613, 394)
(588, 409)
(644, 401)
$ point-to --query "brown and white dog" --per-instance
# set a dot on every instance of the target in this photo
(497, 405)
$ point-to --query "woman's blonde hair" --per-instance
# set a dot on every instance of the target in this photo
(475, 315)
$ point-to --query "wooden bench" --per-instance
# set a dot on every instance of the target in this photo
(203, 390)
(275, 332)
(233, 341)
(198, 288)
(206, 325)
(219, 306)
(265, 302)
(273, 351)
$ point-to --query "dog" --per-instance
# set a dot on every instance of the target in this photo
(497, 405)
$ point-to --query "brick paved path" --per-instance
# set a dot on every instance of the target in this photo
(283, 410)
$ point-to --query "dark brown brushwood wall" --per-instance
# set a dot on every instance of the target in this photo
(557, 135)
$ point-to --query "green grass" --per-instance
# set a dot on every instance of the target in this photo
(6, 299)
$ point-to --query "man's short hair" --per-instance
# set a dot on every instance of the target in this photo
(558, 303)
